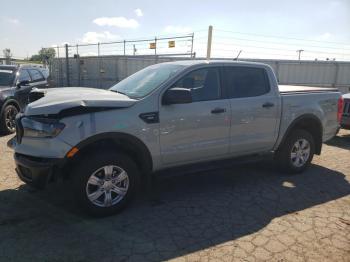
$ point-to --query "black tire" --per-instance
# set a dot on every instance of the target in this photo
(283, 154)
(8, 114)
(88, 165)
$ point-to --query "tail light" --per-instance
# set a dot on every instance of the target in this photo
(340, 109)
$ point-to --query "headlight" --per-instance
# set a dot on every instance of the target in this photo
(41, 127)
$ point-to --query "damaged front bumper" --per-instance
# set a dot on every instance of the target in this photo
(36, 171)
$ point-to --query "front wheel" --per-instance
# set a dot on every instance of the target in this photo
(8, 120)
(297, 151)
(105, 183)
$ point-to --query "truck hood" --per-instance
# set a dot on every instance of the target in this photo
(54, 101)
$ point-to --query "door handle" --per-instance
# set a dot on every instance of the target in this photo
(218, 110)
(268, 105)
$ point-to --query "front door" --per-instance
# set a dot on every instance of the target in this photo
(199, 130)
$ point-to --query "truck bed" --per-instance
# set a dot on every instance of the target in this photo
(288, 89)
(321, 102)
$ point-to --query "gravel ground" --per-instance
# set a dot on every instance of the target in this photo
(245, 213)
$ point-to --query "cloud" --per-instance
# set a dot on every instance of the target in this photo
(170, 29)
(95, 37)
(116, 21)
(325, 36)
(11, 20)
(138, 12)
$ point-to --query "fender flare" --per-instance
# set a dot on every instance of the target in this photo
(10, 101)
(127, 142)
(298, 120)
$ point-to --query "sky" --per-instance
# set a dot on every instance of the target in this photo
(259, 29)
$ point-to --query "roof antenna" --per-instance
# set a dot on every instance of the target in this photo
(235, 59)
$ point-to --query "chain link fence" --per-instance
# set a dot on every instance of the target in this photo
(101, 65)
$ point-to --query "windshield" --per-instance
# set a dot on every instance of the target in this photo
(145, 81)
(6, 77)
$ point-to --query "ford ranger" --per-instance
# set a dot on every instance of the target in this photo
(168, 115)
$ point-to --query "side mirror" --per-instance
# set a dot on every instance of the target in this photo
(22, 83)
(177, 95)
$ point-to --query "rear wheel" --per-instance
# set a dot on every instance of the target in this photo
(297, 151)
(8, 119)
(105, 182)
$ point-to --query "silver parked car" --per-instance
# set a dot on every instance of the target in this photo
(164, 116)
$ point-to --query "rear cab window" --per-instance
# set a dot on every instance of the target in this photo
(36, 75)
(242, 81)
(24, 76)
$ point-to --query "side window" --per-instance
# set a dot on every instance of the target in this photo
(36, 75)
(246, 82)
(24, 76)
(204, 84)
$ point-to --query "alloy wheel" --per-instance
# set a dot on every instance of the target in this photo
(107, 186)
(300, 152)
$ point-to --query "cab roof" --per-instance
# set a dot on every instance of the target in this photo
(199, 62)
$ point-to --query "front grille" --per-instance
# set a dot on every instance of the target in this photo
(26, 173)
(346, 110)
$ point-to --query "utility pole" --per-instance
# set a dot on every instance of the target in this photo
(210, 38)
(67, 65)
(192, 45)
(299, 53)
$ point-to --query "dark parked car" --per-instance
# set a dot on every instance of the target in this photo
(16, 82)
(345, 120)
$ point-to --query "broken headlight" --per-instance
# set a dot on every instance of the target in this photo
(41, 127)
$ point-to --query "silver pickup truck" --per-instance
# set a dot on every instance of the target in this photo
(164, 116)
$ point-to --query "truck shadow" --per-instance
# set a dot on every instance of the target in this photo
(192, 212)
(342, 140)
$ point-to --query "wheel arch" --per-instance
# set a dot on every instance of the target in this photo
(309, 123)
(10, 101)
(125, 143)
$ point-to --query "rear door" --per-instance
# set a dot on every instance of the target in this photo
(254, 109)
(199, 130)
(38, 79)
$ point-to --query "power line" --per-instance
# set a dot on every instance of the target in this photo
(290, 44)
(273, 48)
(290, 38)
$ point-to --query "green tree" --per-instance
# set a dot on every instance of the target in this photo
(7, 55)
(44, 55)
(35, 58)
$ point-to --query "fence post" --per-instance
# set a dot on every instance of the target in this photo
(58, 78)
(67, 65)
(99, 64)
(210, 36)
(155, 48)
(78, 64)
(192, 45)
(336, 73)
(124, 47)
